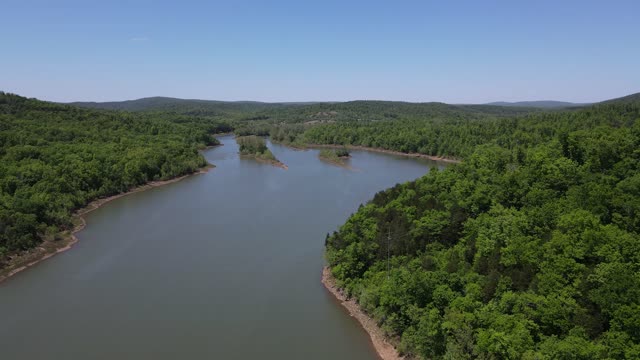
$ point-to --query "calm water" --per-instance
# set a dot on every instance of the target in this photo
(224, 265)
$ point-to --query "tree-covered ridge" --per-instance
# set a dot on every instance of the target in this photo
(435, 129)
(288, 124)
(529, 249)
(182, 106)
(459, 137)
(543, 104)
(382, 110)
(302, 112)
(629, 99)
(57, 158)
(444, 136)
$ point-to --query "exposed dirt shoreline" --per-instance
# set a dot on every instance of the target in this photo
(341, 161)
(50, 248)
(384, 348)
(385, 151)
(275, 163)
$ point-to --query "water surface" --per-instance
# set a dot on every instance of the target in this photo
(224, 265)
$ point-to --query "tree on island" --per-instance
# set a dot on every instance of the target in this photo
(254, 146)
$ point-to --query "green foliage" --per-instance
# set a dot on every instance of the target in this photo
(56, 158)
(250, 145)
(334, 155)
(367, 111)
(439, 129)
(182, 106)
(429, 128)
(342, 152)
(449, 134)
(529, 249)
(254, 146)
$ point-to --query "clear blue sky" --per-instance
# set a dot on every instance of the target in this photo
(450, 51)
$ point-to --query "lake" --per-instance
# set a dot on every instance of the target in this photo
(223, 265)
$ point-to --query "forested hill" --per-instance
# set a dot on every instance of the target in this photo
(306, 111)
(429, 128)
(185, 106)
(433, 129)
(363, 110)
(544, 104)
(383, 110)
(56, 158)
(458, 137)
(529, 249)
(629, 99)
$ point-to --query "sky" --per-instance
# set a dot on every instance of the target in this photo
(419, 51)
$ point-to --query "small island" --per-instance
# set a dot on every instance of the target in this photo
(255, 147)
(335, 156)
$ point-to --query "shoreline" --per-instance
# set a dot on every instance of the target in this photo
(341, 162)
(366, 148)
(275, 163)
(385, 151)
(49, 248)
(217, 135)
(385, 349)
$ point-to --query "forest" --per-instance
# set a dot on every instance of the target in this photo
(57, 158)
(528, 249)
(449, 131)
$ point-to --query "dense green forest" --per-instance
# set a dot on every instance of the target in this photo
(56, 158)
(429, 128)
(311, 111)
(459, 138)
(529, 249)
(448, 132)
(381, 110)
(543, 104)
(183, 106)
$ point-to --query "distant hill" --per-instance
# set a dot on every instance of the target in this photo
(374, 110)
(332, 111)
(308, 111)
(633, 98)
(188, 106)
(541, 104)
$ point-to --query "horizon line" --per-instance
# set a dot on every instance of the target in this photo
(327, 101)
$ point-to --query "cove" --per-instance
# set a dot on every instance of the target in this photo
(221, 265)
